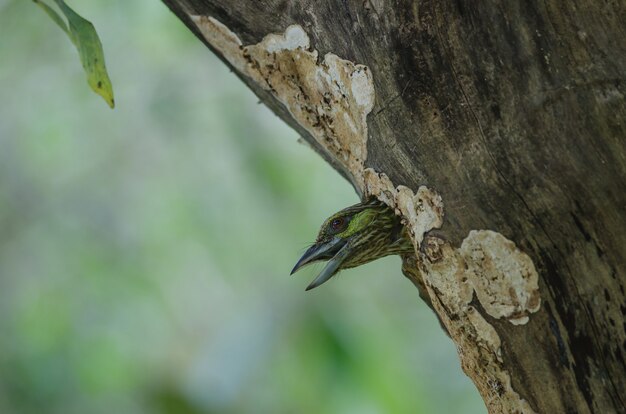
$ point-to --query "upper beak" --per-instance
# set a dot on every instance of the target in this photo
(336, 250)
(317, 252)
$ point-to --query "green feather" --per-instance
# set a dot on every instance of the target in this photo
(357, 235)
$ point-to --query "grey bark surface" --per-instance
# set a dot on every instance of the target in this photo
(515, 113)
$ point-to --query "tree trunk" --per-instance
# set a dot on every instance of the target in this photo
(510, 119)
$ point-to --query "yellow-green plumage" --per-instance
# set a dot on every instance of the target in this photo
(354, 236)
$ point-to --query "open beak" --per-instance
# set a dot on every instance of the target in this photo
(335, 251)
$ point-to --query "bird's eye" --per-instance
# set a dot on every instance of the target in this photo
(338, 224)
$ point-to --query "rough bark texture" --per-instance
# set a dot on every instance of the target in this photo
(513, 118)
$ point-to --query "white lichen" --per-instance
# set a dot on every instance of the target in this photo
(422, 211)
(486, 266)
(504, 278)
(294, 38)
(329, 99)
(447, 273)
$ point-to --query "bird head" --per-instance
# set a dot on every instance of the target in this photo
(354, 236)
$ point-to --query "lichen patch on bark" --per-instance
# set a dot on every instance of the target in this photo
(445, 271)
(422, 211)
(487, 267)
(504, 278)
(329, 98)
(222, 39)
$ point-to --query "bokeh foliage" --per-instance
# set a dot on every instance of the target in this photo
(145, 252)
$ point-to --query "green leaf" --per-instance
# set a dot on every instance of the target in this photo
(82, 33)
(53, 15)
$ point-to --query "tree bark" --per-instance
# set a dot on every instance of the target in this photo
(498, 131)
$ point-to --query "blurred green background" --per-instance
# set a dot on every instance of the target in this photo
(145, 251)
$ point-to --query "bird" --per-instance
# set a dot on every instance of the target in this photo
(354, 236)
